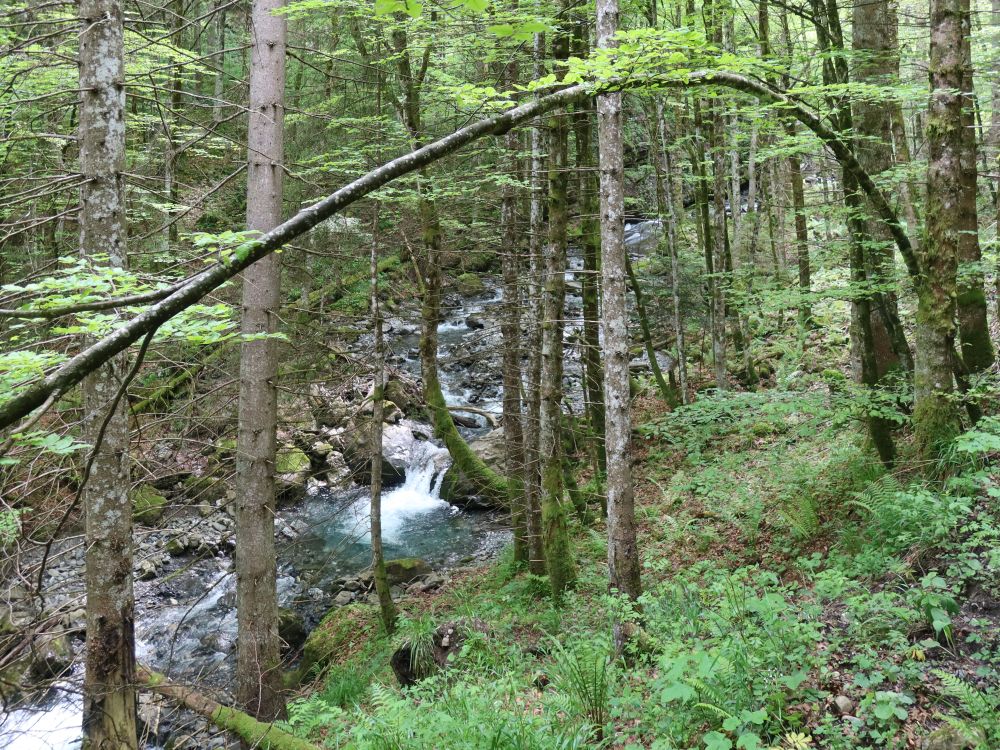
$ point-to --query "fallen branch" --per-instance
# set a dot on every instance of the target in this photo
(490, 417)
(255, 734)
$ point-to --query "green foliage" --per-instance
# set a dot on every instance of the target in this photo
(978, 712)
(583, 674)
(417, 635)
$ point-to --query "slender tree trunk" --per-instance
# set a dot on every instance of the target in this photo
(590, 235)
(532, 457)
(973, 326)
(258, 655)
(671, 219)
(994, 143)
(510, 328)
(109, 705)
(623, 552)
(386, 606)
(935, 417)
(558, 556)
(219, 61)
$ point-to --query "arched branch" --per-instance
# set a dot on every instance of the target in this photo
(191, 291)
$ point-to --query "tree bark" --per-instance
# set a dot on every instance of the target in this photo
(533, 391)
(386, 606)
(623, 551)
(258, 654)
(935, 418)
(510, 329)
(558, 556)
(973, 326)
(109, 707)
(590, 235)
(875, 39)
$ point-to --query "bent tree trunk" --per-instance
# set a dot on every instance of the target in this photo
(109, 711)
(258, 653)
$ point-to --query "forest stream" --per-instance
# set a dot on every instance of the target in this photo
(186, 616)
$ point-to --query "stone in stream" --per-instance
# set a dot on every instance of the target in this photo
(342, 631)
(292, 469)
(475, 322)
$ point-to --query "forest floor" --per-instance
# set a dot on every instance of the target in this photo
(797, 596)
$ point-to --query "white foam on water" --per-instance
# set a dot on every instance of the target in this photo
(418, 495)
(50, 727)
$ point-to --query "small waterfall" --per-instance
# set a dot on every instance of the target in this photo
(418, 495)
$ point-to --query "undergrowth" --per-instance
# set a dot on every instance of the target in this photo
(796, 596)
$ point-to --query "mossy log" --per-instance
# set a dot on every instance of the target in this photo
(257, 734)
(163, 394)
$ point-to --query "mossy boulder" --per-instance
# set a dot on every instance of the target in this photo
(292, 468)
(341, 633)
(224, 447)
(148, 505)
(291, 460)
(469, 284)
(406, 569)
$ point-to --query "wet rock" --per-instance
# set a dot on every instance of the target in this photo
(475, 323)
(292, 468)
(463, 420)
(321, 449)
(405, 395)
(208, 489)
(458, 489)
(469, 284)
(357, 452)
(146, 570)
(51, 656)
(341, 631)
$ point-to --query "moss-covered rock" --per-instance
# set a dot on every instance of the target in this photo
(341, 633)
(291, 460)
(406, 569)
(469, 284)
(148, 505)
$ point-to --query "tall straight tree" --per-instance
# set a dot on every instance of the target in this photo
(935, 418)
(109, 709)
(558, 556)
(258, 655)
(623, 552)
(973, 326)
